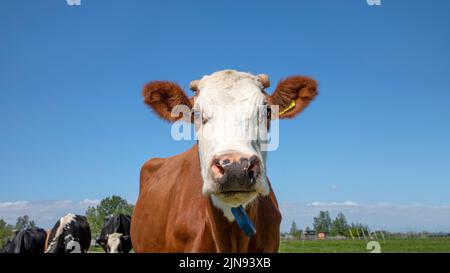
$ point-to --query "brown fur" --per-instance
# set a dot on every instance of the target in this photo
(172, 215)
(298, 88)
(46, 239)
(162, 96)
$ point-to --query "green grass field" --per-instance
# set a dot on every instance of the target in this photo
(98, 249)
(418, 245)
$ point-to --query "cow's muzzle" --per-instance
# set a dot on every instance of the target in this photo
(235, 172)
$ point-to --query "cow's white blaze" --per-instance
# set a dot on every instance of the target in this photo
(231, 103)
(63, 223)
(114, 242)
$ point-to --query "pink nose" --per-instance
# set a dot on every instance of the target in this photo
(235, 169)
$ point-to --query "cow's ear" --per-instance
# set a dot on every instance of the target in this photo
(164, 96)
(293, 94)
(125, 237)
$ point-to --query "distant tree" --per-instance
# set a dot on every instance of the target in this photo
(358, 230)
(108, 206)
(295, 232)
(322, 223)
(24, 222)
(6, 231)
(339, 226)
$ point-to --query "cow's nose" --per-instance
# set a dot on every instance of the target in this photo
(236, 169)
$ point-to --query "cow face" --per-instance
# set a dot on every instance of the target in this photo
(230, 111)
(113, 244)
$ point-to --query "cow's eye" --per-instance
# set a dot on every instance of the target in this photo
(196, 115)
(204, 120)
(199, 117)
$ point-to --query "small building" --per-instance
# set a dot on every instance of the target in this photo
(309, 234)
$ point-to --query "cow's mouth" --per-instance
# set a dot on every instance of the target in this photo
(235, 192)
(235, 198)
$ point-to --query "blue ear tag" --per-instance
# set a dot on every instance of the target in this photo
(243, 221)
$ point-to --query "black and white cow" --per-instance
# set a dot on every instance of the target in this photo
(71, 234)
(30, 241)
(115, 234)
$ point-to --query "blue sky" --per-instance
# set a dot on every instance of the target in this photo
(73, 125)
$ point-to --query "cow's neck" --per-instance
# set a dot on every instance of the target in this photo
(227, 235)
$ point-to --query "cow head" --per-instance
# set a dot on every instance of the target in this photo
(114, 242)
(229, 109)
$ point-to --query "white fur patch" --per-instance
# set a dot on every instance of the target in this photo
(227, 208)
(230, 102)
(114, 242)
(224, 207)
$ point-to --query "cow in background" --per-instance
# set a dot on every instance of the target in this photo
(29, 241)
(71, 234)
(115, 234)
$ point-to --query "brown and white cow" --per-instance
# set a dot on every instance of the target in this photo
(185, 201)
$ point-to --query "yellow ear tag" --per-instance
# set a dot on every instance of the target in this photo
(290, 106)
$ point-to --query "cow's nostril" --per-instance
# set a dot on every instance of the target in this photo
(252, 172)
(251, 175)
(221, 170)
(217, 167)
(250, 168)
(253, 169)
(253, 160)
